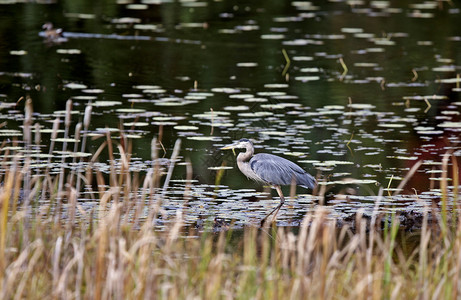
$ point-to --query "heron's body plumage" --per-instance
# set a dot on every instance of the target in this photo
(270, 169)
(277, 170)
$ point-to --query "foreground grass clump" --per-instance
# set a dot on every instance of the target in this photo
(107, 258)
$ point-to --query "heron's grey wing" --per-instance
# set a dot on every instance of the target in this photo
(280, 171)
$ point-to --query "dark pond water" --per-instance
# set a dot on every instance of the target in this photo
(356, 92)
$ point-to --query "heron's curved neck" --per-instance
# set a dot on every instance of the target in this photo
(244, 157)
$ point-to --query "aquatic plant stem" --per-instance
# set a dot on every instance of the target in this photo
(46, 182)
(288, 62)
(62, 172)
(173, 159)
(78, 129)
(345, 69)
(444, 190)
(86, 125)
(28, 110)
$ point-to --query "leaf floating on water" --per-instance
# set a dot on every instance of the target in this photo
(211, 115)
(240, 96)
(247, 64)
(351, 181)
(68, 140)
(423, 98)
(174, 102)
(383, 42)
(256, 114)
(194, 97)
(450, 124)
(430, 132)
(304, 5)
(227, 31)
(192, 24)
(351, 30)
(425, 5)
(403, 158)
(49, 130)
(255, 100)
(164, 123)
(133, 136)
(280, 105)
(375, 50)
(137, 6)
(450, 112)
(330, 163)
(61, 113)
(106, 103)
(287, 19)
(302, 58)
(444, 69)
(294, 153)
(18, 52)
(204, 138)
(334, 107)
(80, 16)
(193, 4)
(277, 133)
(302, 42)
(131, 95)
(272, 36)
(391, 125)
(185, 127)
(420, 15)
(361, 106)
(80, 154)
(154, 91)
(68, 51)
(363, 35)
(10, 132)
(137, 124)
(236, 108)
(169, 118)
(366, 65)
(449, 80)
(307, 78)
(107, 129)
(276, 85)
(130, 110)
(425, 43)
(225, 90)
(220, 168)
(310, 70)
(75, 86)
(146, 87)
(271, 94)
(84, 97)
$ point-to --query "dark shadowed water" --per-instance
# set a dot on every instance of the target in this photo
(356, 92)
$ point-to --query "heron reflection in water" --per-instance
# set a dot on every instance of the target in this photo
(271, 170)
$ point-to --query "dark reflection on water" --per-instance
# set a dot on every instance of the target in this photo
(211, 72)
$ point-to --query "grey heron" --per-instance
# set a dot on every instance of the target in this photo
(270, 169)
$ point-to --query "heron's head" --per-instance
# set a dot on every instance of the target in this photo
(240, 144)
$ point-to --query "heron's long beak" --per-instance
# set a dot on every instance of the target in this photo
(231, 146)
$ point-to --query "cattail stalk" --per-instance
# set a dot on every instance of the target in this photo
(86, 125)
(174, 157)
(62, 172)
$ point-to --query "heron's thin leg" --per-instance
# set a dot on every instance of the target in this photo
(276, 210)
